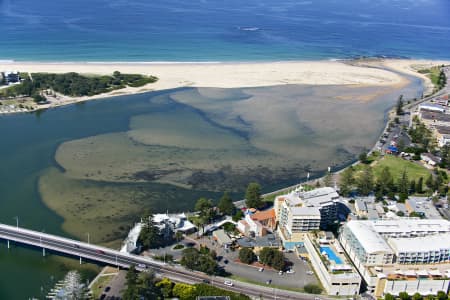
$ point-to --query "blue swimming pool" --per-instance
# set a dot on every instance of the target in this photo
(331, 255)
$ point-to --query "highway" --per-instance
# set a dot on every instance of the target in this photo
(116, 258)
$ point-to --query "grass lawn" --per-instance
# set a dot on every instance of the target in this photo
(397, 165)
(242, 279)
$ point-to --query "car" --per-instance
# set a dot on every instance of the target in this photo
(142, 266)
(228, 283)
(280, 273)
(107, 288)
(76, 246)
(206, 281)
(310, 272)
(225, 261)
(290, 271)
(317, 298)
(269, 281)
(100, 251)
(261, 269)
(103, 296)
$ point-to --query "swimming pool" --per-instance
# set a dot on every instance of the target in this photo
(331, 255)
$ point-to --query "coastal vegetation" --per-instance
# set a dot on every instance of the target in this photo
(37, 85)
(203, 260)
(436, 75)
(146, 286)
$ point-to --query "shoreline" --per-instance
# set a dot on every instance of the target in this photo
(359, 72)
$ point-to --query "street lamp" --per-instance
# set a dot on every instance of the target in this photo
(88, 237)
(17, 221)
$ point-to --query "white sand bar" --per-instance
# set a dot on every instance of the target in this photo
(226, 75)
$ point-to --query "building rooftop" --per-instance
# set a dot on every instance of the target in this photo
(443, 129)
(369, 239)
(269, 240)
(316, 198)
(406, 225)
(428, 115)
(305, 211)
(264, 215)
(421, 244)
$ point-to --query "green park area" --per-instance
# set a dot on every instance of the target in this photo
(398, 165)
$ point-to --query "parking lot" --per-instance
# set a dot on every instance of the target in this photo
(298, 279)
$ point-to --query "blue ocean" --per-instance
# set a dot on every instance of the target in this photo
(222, 30)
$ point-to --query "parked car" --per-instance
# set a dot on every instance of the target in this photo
(290, 271)
(228, 283)
(310, 272)
(280, 273)
(261, 269)
(269, 281)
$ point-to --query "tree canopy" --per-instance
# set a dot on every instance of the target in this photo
(253, 196)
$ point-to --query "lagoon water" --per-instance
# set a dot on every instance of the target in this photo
(215, 30)
(148, 160)
(33, 147)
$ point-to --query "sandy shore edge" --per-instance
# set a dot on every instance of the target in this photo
(236, 75)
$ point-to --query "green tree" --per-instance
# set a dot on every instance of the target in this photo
(132, 291)
(403, 186)
(430, 182)
(399, 106)
(226, 205)
(266, 255)
(419, 186)
(385, 182)
(417, 296)
(403, 296)
(441, 295)
(253, 196)
(364, 182)
(412, 186)
(346, 181)
(184, 291)
(389, 297)
(146, 286)
(312, 288)
(247, 256)
(150, 236)
(238, 215)
(278, 261)
(363, 158)
(166, 287)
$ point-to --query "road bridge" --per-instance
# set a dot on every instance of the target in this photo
(113, 257)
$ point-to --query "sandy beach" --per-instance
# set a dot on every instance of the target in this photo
(236, 75)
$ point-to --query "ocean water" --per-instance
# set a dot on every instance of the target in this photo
(217, 30)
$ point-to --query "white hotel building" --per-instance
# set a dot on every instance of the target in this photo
(385, 252)
(299, 212)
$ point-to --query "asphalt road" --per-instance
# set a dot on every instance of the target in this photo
(113, 257)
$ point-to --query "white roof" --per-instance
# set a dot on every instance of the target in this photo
(315, 198)
(369, 239)
(421, 244)
(305, 211)
(410, 225)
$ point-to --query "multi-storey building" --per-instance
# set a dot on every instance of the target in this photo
(384, 251)
(300, 211)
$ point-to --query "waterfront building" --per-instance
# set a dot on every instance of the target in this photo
(303, 211)
(385, 251)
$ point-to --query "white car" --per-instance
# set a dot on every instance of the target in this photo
(310, 272)
(290, 271)
(261, 269)
(142, 266)
(227, 282)
(280, 273)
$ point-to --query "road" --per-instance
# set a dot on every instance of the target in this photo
(125, 260)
